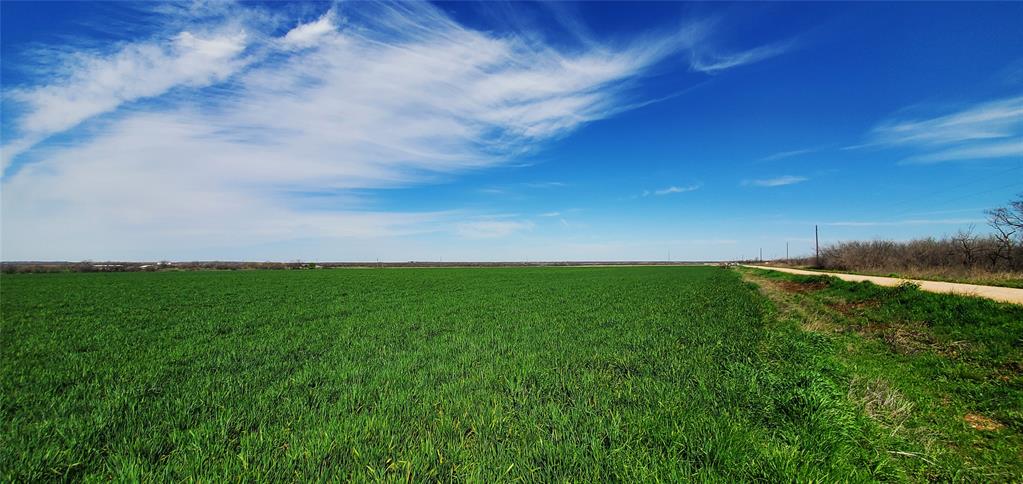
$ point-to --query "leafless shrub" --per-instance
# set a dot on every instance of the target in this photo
(1007, 223)
(964, 253)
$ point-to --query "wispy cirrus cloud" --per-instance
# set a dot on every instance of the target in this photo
(987, 130)
(979, 151)
(787, 154)
(547, 184)
(674, 189)
(102, 84)
(362, 96)
(667, 191)
(776, 181)
(711, 61)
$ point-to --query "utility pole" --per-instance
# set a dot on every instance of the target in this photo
(817, 245)
(761, 259)
(669, 254)
(786, 250)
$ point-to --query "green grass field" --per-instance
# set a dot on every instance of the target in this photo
(537, 374)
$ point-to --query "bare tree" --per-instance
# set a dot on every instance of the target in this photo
(966, 244)
(1007, 223)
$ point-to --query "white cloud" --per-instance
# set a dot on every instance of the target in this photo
(712, 62)
(776, 182)
(392, 95)
(100, 84)
(984, 131)
(551, 214)
(309, 34)
(665, 191)
(674, 189)
(489, 229)
(995, 119)
(1005, 149)
(787, 154)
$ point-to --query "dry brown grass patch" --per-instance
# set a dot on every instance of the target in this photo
(801, 287)
(784, 294)
(981, 422)
(881, 401)
(850, 308)
(908, 339)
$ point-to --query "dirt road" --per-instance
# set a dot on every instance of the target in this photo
(1003, 294)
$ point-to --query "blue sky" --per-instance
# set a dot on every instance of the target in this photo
(500, 131)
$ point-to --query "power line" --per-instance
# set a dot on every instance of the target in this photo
(946, 191)
(986, 190)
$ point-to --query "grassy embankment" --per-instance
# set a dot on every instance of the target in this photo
(976, 276)
(635, 373)
(941, 374)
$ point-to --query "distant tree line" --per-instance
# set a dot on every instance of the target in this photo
(91, 266)
(1001, 250)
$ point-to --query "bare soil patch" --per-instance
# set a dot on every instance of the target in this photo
(849, 308)
(801, 287)
(785, 293)
(981, 422)
(903, 337)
